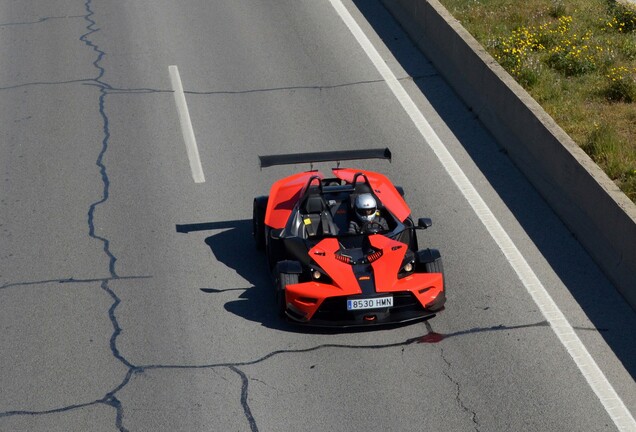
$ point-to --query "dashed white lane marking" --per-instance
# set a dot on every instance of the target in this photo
(612, 403)
(186, 126)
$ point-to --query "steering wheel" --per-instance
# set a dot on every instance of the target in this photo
(371, 227)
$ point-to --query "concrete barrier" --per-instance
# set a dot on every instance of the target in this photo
(601, 217)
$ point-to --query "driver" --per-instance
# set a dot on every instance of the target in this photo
(368, 216)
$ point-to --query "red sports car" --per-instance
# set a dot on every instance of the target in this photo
(343, 250)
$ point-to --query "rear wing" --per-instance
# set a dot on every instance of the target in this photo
(327, 156)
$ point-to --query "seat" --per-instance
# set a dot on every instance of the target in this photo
(316, 217)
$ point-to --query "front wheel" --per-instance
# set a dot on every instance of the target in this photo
(435, 266)
(282, 280)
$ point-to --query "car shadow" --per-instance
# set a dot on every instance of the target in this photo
(232, 244)
(598, 298)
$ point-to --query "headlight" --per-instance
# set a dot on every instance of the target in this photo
(318, 275)
(408, 266)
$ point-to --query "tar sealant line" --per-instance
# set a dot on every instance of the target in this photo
(612, 403)
(186, 126)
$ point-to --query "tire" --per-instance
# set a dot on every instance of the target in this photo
(258, 226)
(435, 266)
(282, 280)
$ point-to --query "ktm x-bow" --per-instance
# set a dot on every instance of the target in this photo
(326, 275)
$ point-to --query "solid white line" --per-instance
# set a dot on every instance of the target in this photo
(186, 126)
(612, 403)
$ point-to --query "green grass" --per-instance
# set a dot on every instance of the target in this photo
(577, 58)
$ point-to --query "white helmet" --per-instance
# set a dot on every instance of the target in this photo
(365, 207)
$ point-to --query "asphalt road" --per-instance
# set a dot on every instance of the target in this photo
(131, 298)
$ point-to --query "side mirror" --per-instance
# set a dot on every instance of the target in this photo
(424, 223)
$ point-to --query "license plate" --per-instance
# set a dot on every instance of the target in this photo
(370, 303)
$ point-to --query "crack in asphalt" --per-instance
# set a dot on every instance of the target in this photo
(48, 83)
(307, 87)
(109, 399)
(279, 352)
(109, 90)
(70, 280)
(91, 27)
(244, 404)
(103, 87)
(458, 396)
(41, 20)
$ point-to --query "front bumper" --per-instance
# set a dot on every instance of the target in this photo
(417, 297)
